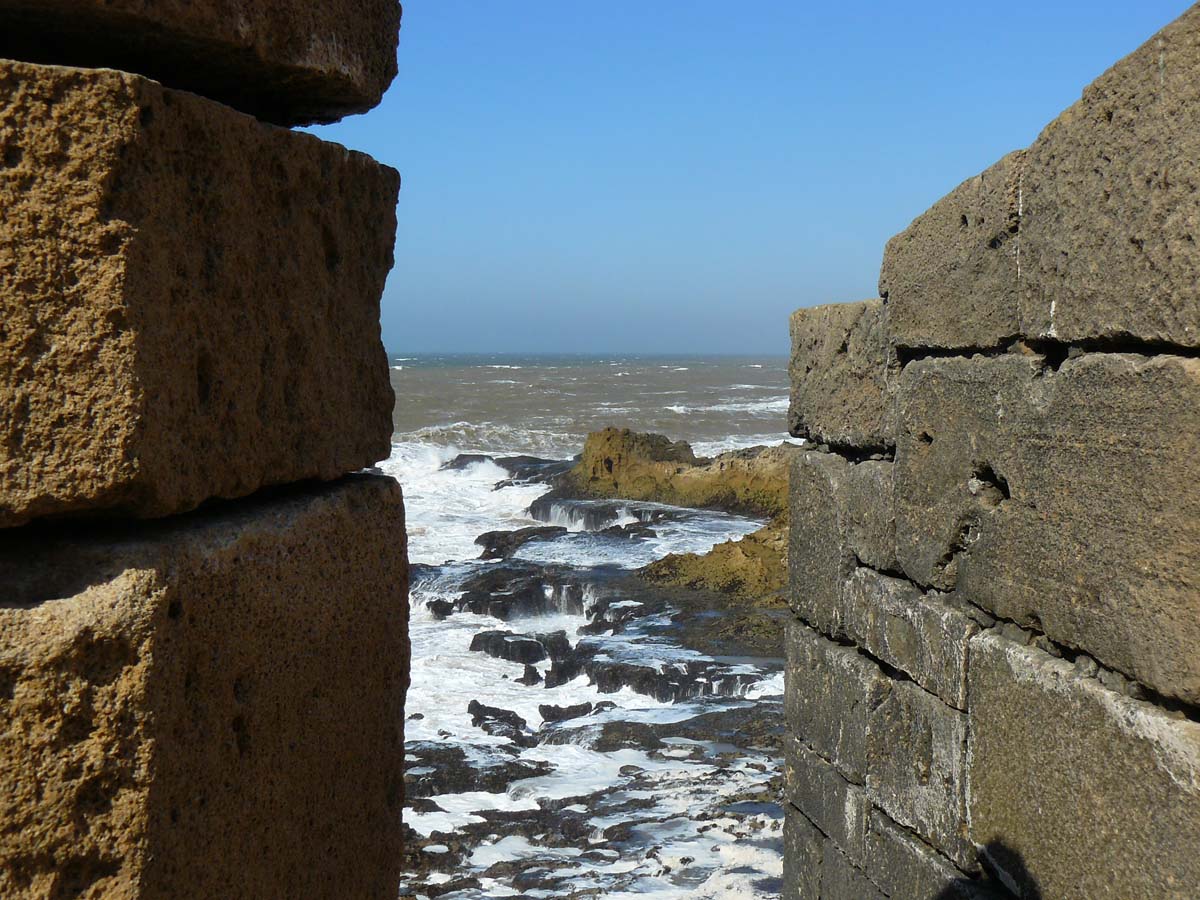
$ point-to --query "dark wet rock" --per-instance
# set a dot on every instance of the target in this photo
(523, 648)
(531, 677)
(598, 515)
(501, 723)
(551, 713)
(442, 768)
(532, 469)
(503, 544)
(634, 531)
(516, 648)
(515, 589)
(440, 608)
(465, 460)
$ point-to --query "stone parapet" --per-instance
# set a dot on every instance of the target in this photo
(190, 299)
(1076, 789)
(842, 370)
(992, 686)
(291, 62)
(951, 278)
(210, 707)
(840, 516)
(1061, 498)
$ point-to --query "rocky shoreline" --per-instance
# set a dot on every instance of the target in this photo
(692, 632)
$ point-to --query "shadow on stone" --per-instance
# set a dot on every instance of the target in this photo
(997, 857)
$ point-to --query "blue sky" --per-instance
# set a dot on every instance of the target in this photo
(640, 176)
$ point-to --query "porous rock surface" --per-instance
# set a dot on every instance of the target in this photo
(1061, 499)
(842, 370)
(617, 462)
(285, 61)
(1116, 810)
(209, 707)
(189, 298)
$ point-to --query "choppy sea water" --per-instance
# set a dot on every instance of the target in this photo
(665, 786)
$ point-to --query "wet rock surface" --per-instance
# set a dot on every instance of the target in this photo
(664, 779)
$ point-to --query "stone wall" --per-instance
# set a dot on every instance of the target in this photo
(993, 685)
(203, 609)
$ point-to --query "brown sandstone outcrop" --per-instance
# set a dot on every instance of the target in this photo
(190, 299)
(209, 706)
(617, 462)
(285, 61)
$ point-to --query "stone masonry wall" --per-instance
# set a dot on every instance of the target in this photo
(993, 685)
(203, 601)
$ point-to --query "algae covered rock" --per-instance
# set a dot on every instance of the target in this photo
(621, 463)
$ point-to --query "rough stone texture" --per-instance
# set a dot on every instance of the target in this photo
(803, 855)
(1061, 500)
(1111, 220)
(1066, 774)
(841, 514)
(229, 682)
(904, 866)
(916, 766)
(951, 277)
(189, 299)
(919, 633)
(842, 371)
(831, 695)
(620, 463)
(840, 880)
(837, 807)
(285, 61)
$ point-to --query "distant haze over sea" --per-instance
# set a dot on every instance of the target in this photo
(546, 404)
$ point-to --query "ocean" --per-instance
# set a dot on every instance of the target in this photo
(650, 793)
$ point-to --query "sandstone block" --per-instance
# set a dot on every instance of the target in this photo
(819, 557)
(1110, 218)
(831, 694)
(837, 807)
(916, 767)
(951, 278)
(842, 370)
(1058, 499)
(207, 707)
(1065, 773)
(189, 298)
(905, 866)
(840, 880)
(285, 61)
(841, 514)
(803, 856)
(919, 633)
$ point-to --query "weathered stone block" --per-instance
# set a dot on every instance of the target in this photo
(1110, 218)
(803, 856)
(919, 633)
(842, 370)
(951, 277)
(837, 807)
(1076, 788)
(819, 557)
(916, 767)
(841, 514)
(904, 866)
(230, 681)
(1053, 498)
(831, 694)
(285, 61)
(840, 880)
(189, 298)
